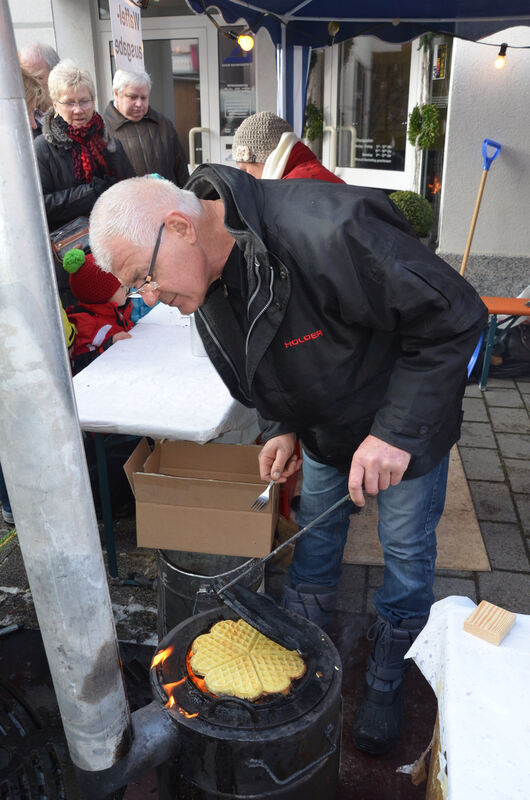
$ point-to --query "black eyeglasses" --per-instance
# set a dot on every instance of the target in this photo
(149, 283)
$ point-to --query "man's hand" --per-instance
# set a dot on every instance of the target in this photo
(377, 465)
(277, 460)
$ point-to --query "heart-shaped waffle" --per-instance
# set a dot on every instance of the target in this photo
(237, 660)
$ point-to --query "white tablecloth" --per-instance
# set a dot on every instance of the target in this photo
(151, 384)
(483, 695)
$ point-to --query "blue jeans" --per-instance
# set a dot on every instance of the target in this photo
(408, 516)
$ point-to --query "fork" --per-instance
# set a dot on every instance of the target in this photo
(261, 501)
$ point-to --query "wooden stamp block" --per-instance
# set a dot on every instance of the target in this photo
(489, 622)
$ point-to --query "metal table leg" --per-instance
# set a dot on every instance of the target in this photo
(487, 352)
(106, 507)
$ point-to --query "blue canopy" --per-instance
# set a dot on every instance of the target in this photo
(297, 27)
(306, 22)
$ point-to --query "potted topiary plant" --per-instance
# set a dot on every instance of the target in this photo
(314, 123)
(416, 209)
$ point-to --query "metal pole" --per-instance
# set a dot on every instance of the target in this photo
(42, 454)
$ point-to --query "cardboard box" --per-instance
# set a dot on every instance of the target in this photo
(197, 498)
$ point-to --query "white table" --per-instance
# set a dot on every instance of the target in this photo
(152, 385)
(483, 695)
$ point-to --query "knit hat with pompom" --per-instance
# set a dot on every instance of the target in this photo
(87, 281)
(258, 136)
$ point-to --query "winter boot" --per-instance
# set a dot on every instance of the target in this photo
(377, 723)
(316, 603)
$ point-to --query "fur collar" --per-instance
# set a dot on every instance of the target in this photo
(54, 131)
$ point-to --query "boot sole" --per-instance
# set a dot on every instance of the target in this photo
(374, 748)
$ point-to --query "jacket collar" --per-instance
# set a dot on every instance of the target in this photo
(117, 120)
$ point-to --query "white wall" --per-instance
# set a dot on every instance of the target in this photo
(64, 24)
(493, 104)
(32, 22)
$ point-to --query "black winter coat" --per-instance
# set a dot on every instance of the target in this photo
(66, 198)
(334, 321)
(152, 144)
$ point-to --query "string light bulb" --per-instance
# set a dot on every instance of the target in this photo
(333, 29)
(246, 41)
(500, 61)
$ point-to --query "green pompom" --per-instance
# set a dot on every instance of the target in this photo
(73, 260)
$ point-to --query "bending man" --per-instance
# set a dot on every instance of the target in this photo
(319, 306)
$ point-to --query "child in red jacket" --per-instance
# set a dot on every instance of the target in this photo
(103, 315)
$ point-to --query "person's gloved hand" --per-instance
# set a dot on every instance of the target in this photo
(101, 185)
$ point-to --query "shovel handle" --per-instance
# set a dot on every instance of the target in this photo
(489, 159)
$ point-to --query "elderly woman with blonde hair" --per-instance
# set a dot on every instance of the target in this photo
(77, 159)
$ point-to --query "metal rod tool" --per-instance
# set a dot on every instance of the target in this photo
(257, 561)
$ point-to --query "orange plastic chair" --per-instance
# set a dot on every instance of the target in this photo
(511, 306)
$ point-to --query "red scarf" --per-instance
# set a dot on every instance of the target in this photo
(88, 150)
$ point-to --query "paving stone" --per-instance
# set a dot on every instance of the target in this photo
(522, 501)
(445, 586)
(370, 608)
(507, 398)
(506, 589)
(474, 410)
(473, 390)
(476, 434)
(352, 588)
(526, 398)
(501, 383)
(510, 420)
(505, 546)
(514, 445)
(455, 573)
(492, 501)
(481, 464)
(518, 474)
(523, 384)
(375, 576)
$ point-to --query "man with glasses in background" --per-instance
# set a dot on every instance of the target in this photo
(319, 306)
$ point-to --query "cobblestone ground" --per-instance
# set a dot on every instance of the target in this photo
(495, 451)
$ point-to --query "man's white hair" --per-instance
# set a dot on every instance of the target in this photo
(136, 80)
(134, 209)
(35, 51)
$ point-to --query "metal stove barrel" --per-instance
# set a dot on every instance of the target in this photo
(280, 747)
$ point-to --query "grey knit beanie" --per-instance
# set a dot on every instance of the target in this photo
(258, 136)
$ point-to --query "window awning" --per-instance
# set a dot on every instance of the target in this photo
(305, 23)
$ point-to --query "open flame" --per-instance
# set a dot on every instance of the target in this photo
(160, 657)
(169, 688)
(435, 186)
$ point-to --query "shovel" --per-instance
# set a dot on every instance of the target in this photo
(488, 160)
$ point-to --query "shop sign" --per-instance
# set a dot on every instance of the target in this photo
(126, 24)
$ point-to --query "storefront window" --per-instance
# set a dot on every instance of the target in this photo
(373, 104)
(160, 8)
(237, 83)
(315, 102)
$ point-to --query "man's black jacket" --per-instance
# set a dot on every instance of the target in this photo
(334, 321)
